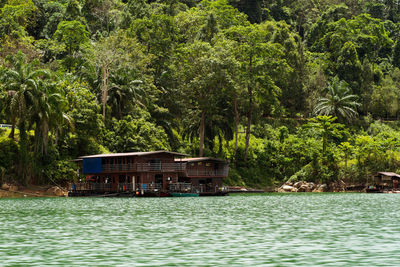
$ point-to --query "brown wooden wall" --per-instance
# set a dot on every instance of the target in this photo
(165, 158)
(205, 169)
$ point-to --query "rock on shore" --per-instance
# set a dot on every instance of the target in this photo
(302, 186)
(33, 190)
(9, 187)
(56, 191)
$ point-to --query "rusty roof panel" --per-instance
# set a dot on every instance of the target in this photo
(390, 174)
(131, 154)
(199, 159)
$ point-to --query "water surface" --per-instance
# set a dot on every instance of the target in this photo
(262, 230)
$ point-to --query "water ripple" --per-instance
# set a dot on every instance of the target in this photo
(262, 230)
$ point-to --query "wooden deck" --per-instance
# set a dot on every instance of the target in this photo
(139, 190)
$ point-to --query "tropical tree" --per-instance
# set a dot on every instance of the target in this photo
(105, 56)
(338, 102)
(347, 149)
(259, 60)
(84, 109)
(125, 93)
(21, 83)
(158, 34)
(384, 100)
(50, 15)
(120, 54)
(48, 114)
(205, 72)
(15, 17)
(327, 129)
(72, 34)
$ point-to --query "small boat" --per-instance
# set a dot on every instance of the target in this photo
(184, 194)
(373, 190)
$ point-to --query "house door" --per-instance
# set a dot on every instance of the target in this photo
(159, 180)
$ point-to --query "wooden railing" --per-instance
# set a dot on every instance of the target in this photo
(91, 186)
(126, 187)
(163, 167)
(181, 187)
(204, 172)
(108, 187)
(189, 188)
(152, 187)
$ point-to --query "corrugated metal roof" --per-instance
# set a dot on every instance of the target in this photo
(131, 154)
(390, 174)
(199, 159)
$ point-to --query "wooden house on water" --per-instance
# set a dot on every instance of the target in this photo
(156, 173)
(384, 182)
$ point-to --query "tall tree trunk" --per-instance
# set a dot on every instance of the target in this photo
(202, 133)
(11, 135)
(104, 90)
(119, 109)
(236, 124)
(23, 161)
(250, 111)
(248, 129)
(220, 144)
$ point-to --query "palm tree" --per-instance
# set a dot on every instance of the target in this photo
(124, 94)
(338, 102)
(48, 115)
(20, 84)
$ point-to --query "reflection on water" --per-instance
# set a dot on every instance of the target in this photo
(269, 229)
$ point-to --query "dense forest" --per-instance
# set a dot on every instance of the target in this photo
(283, 89)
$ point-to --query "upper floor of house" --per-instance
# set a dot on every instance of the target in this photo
(154, 161)
(204, 167)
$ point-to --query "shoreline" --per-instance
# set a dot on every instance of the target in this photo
(14, 191)
(31, 191)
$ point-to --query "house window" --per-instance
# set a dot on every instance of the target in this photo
(155, 164)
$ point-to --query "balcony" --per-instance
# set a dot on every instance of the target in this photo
(145, 167)
(223, 172)
(109, 187)
(151, 187)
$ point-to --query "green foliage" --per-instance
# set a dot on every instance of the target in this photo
(8, 157)
(234, 178)
(208, 75)
(84, 111)
(73, 35)
(60, 172)
(339, 102)
(136, 134)
(15, 17)
(50, 14)
(327, 129)
(385, 97)
(396, 54)
(234, 79)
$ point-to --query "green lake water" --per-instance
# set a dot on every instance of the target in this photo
(260, 230)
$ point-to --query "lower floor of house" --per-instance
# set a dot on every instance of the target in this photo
(145, 184)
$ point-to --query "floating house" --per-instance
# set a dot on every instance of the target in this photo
(156, 173)
(387, 180)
